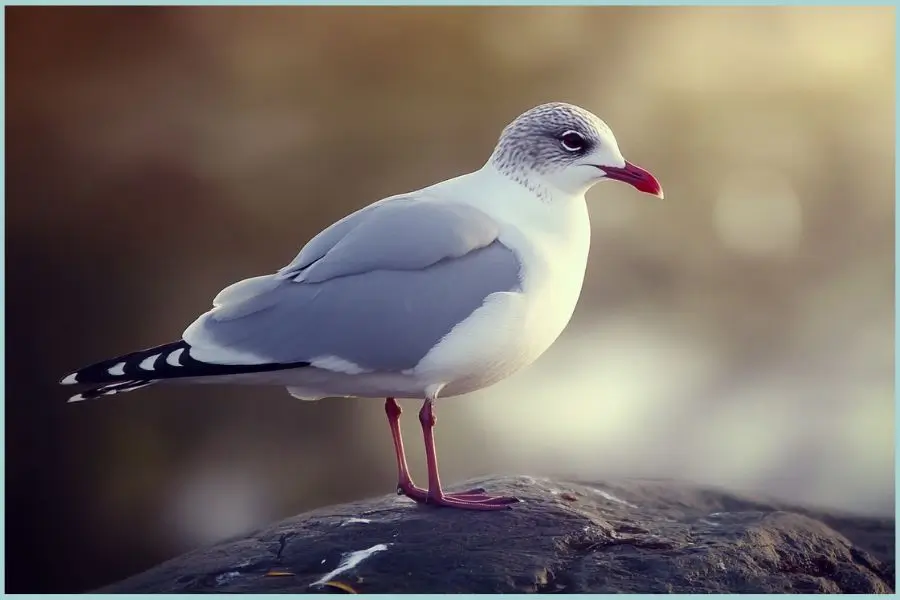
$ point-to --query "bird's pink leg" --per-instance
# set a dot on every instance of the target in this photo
(435, 494)
(405, 485)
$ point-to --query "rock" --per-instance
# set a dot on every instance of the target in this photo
(624, 536)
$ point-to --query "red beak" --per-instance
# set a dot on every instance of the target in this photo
(633, 175)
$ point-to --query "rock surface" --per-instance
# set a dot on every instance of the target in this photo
(622, 536)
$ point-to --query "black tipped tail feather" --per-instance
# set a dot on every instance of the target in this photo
(111, 388)
(145, 367)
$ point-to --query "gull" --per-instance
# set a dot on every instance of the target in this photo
(428, 294)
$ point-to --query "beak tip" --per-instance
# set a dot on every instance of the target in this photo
(636, 176)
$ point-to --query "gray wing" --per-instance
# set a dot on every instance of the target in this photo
(401, 234)
(379, 289)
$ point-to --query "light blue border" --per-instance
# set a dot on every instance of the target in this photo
(359, 3)
(432, 596)
(410, 3)
(896, 285)
(3, 301)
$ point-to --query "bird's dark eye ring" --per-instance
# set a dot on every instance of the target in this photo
(572, 141)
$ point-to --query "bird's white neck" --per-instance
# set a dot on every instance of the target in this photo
(541, 185)
(547, 210)
(534, 203)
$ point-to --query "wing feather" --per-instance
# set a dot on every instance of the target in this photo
(379, 291)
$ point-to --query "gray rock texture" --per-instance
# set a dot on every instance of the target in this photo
(613, 536)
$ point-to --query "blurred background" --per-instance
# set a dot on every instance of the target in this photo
(739, 333)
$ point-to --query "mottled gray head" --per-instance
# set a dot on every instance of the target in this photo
(565, 147)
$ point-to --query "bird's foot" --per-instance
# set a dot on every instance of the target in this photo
(475, 499)
(414, 492)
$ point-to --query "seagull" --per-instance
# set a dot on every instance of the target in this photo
(428, 294)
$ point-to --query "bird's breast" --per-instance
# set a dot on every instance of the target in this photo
(552, 279)
(512, 329)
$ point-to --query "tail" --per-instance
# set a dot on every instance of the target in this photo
(146, 367)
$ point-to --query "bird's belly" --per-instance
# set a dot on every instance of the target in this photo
(511, 349)
(509, 332)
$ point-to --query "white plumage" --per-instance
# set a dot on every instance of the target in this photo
(437, 292)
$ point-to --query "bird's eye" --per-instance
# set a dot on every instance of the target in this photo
(572, 141)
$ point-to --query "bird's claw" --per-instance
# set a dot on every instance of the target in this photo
(473, 502)
(475, 499)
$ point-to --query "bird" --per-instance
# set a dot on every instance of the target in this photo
(428, 294)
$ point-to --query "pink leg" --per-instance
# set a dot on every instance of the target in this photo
(436, 495)
(405, 485)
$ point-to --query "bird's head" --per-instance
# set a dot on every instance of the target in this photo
(566, 148)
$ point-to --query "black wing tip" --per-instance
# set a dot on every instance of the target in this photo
(108, 390)
(131, 367)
